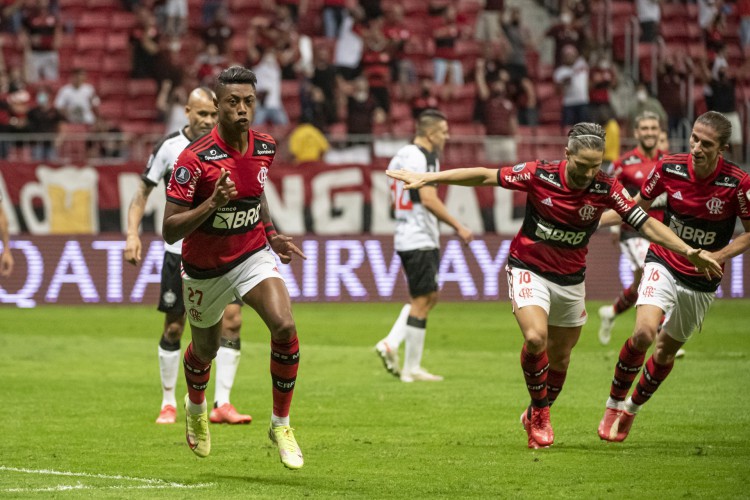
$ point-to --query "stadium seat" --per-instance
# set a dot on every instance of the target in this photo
(112, 109)
(123, 21)
(112, 87)
(142, 87)
(94, 21)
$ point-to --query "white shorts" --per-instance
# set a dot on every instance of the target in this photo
(565, 305)
(635, 249)
(684, 308)
(206, 299)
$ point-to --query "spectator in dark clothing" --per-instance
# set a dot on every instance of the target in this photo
(44, 118)
(13, 118)
(148, 61)
(41, 38)
(376, 64)
(424, 98)
(519, 40)
(362, 111)
(498, 114)
(720, 96)
(566, 31)
(325, 78)
(671, 82)
(219, 32)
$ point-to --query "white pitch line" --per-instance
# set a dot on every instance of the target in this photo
(150, 483)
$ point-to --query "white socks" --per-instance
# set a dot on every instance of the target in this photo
(169, 368)
(414, 347)
(614, 404)
(278, 421)
(227, 361)
(195, 409)
(631, 407)
(398, 330)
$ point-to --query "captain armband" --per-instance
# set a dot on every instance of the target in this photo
(637, 217)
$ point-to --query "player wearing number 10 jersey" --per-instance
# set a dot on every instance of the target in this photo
(705, 195)
(547, 261)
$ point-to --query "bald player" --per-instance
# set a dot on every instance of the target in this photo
(202, 117)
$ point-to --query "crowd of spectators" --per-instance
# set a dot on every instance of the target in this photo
(355, 66)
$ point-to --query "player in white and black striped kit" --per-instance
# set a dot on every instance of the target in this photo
(417, 241)
(202, 116)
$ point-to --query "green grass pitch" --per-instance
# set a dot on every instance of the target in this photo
(81, 391)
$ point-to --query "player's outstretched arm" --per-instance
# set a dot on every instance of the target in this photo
(179, 221)
(655, 231)
(135, 214)
(279, 243)
(476, 176)
(612, 218)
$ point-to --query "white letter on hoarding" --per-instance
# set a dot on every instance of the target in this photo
(385, 278)
(453, 258)
(34, 274)
(491, 268)
(72, 257)
(381, 221)
(114, 267)
(150, 271)
(310, 269)
(288, 212)
(339, 213)
(338, 272)
(737, 284)
(462, 203)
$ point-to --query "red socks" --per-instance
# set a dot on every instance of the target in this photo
(627, 298)
(626, 370)
(535, 368)
(284, 364)
(653, 375)
(197, 374)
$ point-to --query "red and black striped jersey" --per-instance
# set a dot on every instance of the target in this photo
(702, 212)
(232, 233)
(559, 221)
(632, 169)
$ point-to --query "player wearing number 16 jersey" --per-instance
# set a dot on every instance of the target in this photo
(547, 261)
(705, 195)
(417, 241)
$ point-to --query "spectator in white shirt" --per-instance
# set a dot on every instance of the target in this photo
(77, 100)
(572, 76)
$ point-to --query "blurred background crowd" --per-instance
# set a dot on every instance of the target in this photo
(344, 79)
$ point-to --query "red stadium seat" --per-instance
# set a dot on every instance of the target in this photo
(112, 109)
(142, 87)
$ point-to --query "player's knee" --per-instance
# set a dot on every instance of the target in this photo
(232, 325)
(173, 331)
(536, 341)
(644, 336)
(284, 332)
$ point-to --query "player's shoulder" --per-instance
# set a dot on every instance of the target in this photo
(408, 155)
(168, 141)
(629, 158)
(263, 137)
(200, 143)
(263, 144)
(730, 175)
(675, 159)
